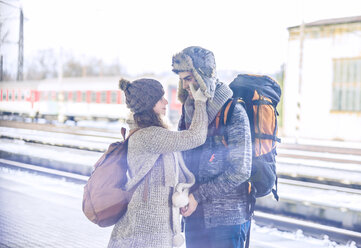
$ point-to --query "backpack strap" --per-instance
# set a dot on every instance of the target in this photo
(248, 236)
(267, 136)
(146, 178)
(222, 121)
(251, 199)
(114, 145)
(262, 102)
(274, 191)
(123, 131)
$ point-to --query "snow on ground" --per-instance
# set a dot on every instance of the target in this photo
(55, 189)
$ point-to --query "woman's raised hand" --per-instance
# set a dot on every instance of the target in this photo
(197, 94)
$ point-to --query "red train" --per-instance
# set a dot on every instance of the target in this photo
(76, 99)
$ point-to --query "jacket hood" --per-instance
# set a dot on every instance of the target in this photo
(202, 64)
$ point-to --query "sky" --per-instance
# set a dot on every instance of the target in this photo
(143, 35)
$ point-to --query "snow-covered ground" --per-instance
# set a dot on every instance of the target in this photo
(64, 193)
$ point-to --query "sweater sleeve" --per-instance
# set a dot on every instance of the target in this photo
(239, 159)
(161, 140)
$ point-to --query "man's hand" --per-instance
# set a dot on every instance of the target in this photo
(191, 207)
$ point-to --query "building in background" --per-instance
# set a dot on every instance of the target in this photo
(323, 80)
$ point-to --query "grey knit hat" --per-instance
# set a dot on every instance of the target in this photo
(202, 64)
(141, 94)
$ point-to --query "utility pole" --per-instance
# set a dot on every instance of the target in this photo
(300, 78)
(1, 67)
(300, 74)
(21, 47)
(61, 105)
(1, 55)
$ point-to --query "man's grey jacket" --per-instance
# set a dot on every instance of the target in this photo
(221, 172)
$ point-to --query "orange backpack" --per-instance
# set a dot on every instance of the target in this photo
(260, 96)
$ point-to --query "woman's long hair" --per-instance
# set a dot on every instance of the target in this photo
(148, 118)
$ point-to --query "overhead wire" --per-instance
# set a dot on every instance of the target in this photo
(9, 4)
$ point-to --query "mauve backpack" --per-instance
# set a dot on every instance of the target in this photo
(104, 199)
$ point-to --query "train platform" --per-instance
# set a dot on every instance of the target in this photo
(321, 142)
(54, 157)
(40, 211)
(112, 131)
(342, 207)
(43, 212)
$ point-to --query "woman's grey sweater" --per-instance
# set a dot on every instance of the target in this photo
(148, 220)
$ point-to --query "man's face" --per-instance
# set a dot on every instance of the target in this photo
(187, 78)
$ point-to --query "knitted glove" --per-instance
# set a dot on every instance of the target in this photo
(197, 95)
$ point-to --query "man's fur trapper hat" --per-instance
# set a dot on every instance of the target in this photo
(202, 64)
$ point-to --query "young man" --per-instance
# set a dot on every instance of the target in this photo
(217, 215)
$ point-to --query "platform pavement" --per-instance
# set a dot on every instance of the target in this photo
(45, 215)
(53, 158)
(322, 142)
(81, 162)
(38, 211)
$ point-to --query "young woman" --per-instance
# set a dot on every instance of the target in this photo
(156, 168)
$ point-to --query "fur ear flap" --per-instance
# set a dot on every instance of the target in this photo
(182, 93)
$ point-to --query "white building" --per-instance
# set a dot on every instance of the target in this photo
(324, 59)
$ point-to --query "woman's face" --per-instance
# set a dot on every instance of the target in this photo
(160, 106)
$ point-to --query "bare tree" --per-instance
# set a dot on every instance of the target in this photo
(3, 39)
(72, 68)
(44, 65)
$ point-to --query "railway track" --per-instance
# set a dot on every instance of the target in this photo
(287, 149)
(329, 171)
(311, 163)
(64, 129)
(282, 223)
(318, 186)
(308, 228)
